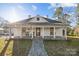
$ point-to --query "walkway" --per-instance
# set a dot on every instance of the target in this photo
(37, 48)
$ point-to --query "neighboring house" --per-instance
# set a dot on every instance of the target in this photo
(3, 26)
(4, 32)
(1, 31)
(39, 26)
(76, 30)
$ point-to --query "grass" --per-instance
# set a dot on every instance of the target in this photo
(73, 43)
(73, 37)
(9, 48)
(21, 47)
(16, 47)
(58, 47)
(53, 47)
(2, 43)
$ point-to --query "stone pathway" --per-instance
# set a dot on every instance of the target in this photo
(37, 48)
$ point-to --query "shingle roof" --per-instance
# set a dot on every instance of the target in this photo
(25, 20)
(51, 21)
(48, 19)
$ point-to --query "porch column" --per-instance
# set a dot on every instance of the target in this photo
(43, 32)
(9, 32)
(66, 33)
(54, 32)
(21, 32)
(32, 32)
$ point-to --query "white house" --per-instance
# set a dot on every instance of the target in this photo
(39, 26)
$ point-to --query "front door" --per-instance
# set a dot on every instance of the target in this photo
(38, 31)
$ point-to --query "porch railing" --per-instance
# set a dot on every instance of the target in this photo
(40, 37)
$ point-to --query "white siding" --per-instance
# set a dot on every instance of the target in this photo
(46, 32)
(17, 31)
(58, 32)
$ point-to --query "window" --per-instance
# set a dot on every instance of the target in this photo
(63, 32)
(23, 29)
(51, 31)
(38, 19)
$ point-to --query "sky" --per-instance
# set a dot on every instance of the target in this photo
(18, 11)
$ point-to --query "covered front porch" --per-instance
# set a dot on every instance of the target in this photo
(43, 32)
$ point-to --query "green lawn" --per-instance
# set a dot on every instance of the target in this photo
(61, 47)
(9, 48)
(2, 41)
(16, 47)
(21, 47)
(73, 43)
(53, 47)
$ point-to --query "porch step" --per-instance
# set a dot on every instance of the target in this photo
(37, 48)
(38, 38)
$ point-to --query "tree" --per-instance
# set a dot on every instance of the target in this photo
(77, 14)
(64, 18)
(58, 12)
(3, 22)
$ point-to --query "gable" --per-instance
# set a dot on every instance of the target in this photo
(38, 20)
